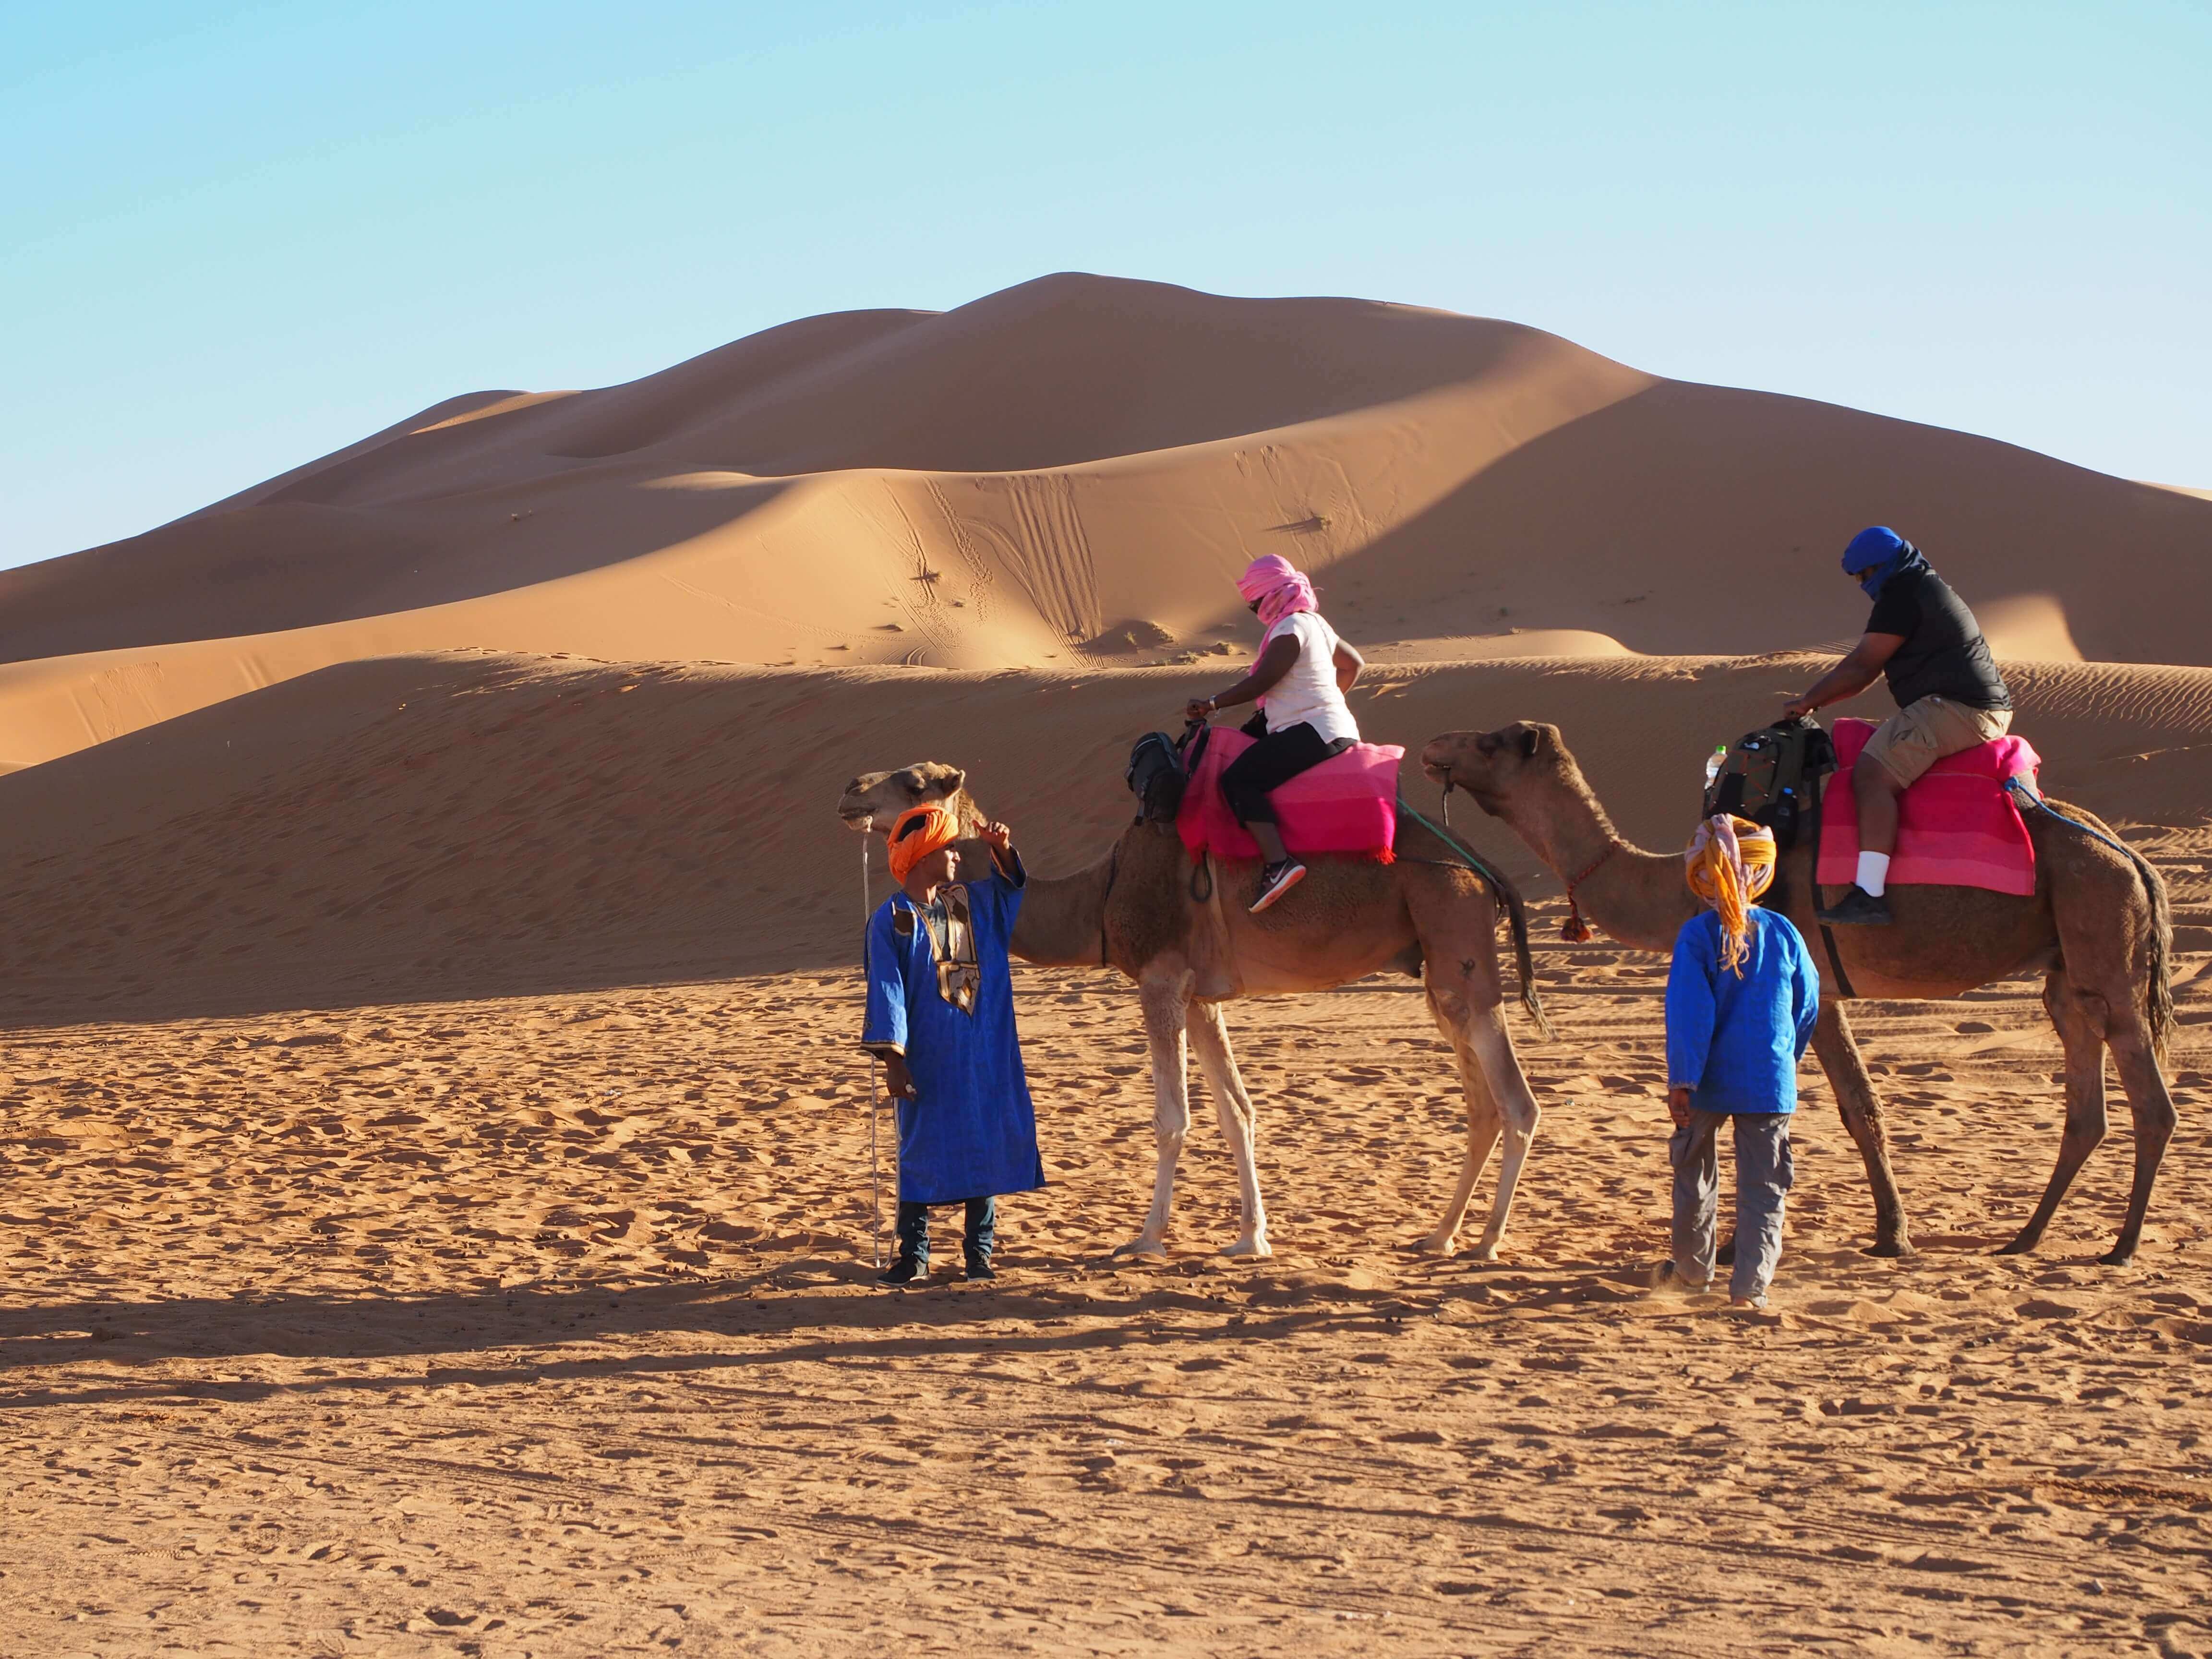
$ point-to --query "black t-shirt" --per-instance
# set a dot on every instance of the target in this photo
(1944, 654)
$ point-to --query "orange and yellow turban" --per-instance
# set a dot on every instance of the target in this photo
(1730, 864)
(918, 832)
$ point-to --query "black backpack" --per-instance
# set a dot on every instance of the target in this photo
(1155, 776)
(1771, 776)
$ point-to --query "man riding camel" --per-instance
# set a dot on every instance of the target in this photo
(1299, 679)
(1949, 697)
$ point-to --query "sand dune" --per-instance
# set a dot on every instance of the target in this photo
(994, 486)
(470, 823)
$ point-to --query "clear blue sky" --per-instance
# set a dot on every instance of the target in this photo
(234, 237)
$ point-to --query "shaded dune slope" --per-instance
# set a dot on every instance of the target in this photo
(468, 825)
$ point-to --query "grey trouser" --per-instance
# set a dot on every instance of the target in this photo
(1763, 1171)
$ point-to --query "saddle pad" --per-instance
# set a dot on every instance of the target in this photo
(1956, 826)
(1348, 804)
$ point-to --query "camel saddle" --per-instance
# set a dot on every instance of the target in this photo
(1346, 805)
(1957, 825)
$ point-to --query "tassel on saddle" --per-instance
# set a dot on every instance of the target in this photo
(1574, 929)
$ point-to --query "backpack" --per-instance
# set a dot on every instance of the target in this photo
(1771, 776)
(1156, 776)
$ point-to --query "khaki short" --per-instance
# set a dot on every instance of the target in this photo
(1921, 733)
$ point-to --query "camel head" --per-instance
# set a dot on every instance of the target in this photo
(874, 799)
(1493, 766)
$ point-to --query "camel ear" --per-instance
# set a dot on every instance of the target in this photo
(1532, 740)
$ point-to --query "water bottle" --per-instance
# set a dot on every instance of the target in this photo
(1713, 764)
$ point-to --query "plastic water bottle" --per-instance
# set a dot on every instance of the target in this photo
(1714, 763)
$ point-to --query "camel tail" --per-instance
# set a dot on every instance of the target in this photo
(2158, 992)
(1516, 916)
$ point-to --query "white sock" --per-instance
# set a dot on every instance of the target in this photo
(1873, 873)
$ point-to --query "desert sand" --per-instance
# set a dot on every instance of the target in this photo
(436, 1177)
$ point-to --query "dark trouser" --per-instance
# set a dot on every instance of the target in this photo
(982, 1229)
(1269, 764)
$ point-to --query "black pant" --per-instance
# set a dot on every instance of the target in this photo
(1269, 764)
(982, 1229)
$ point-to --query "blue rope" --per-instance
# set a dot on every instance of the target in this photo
(2021, 792)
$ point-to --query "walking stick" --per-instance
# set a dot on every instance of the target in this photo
(875, 1168)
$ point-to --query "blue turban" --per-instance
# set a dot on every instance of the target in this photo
(1878, 553)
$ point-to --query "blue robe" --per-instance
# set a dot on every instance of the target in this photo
(970, 1130)
(1736, 1043)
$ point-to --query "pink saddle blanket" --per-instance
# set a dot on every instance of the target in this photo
(1348, 804)
(1956, 826)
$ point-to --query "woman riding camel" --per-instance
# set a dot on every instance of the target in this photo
(1298, 679)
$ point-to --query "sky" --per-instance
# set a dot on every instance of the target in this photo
(236, 237)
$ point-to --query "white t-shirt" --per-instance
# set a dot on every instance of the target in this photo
(1309, 692)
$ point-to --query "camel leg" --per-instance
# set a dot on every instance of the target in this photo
(1483, 1127)
(1209, 1034)
(2080, 1022)
(2151, 1108)
(1860, 1111)
(1166, 1004)
(1516, 1104)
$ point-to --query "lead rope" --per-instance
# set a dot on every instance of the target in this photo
(875, 1168)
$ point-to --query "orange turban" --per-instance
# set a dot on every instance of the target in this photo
(918, 832)
(1729, 865)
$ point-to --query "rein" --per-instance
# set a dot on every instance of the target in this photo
(875, 1096)
(1112, 869)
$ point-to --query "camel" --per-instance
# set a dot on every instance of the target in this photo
(1181, 932)
(2098, 925)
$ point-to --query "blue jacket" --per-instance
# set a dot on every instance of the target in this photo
(1736, 1043)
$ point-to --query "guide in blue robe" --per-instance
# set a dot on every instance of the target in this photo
(940, 992)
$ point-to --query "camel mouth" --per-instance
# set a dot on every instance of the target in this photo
(861, 822)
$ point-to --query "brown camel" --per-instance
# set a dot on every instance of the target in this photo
(2098, 925)
(1184, 935)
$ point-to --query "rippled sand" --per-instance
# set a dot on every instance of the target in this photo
(541, 1327)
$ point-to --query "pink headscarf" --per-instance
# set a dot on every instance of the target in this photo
(1280, 586)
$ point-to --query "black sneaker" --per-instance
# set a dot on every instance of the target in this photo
(904, 1271)
(1276, 880)
(979, 1268)
(1857, 908)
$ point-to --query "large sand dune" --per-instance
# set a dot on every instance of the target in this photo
(1001, 485)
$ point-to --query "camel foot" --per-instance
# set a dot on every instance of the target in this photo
(2021, 1244)
(1485, 1251)
(1438, 1244)
(2118, 1257)
(1150, 1249)
(1892, 1248)
(1251, 1247)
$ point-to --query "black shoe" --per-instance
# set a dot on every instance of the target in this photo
(979, 1267)
(904, 1271)
(1276, 880)
(1857, 908)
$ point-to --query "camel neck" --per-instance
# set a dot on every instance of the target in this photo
(1626, 893)
(1062, 919)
